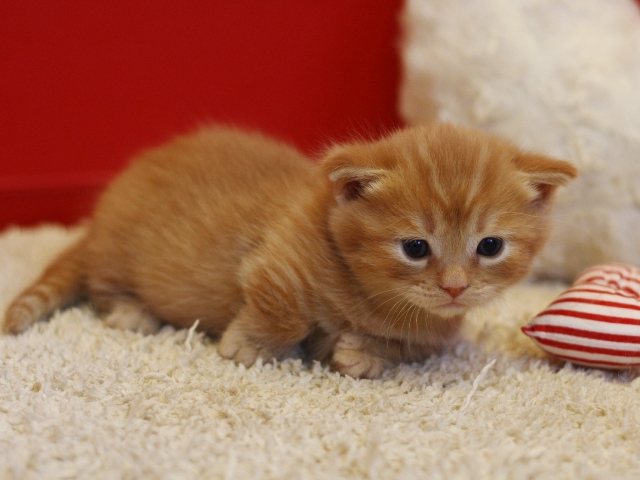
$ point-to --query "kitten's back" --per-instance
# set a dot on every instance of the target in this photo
(219, 189)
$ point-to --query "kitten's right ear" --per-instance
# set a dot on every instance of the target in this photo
(348, 176)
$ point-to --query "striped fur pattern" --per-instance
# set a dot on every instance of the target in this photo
(596, 322)
(268, 249)
(59, 286)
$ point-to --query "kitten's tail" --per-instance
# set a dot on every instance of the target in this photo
(61, 285)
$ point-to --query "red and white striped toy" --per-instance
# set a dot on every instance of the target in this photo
(596, 322)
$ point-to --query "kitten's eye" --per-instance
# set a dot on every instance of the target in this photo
(415, 248)
(489, 247)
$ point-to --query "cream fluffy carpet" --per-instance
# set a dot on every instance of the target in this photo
(78, 400)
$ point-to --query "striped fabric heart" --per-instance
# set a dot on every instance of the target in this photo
(596, 322)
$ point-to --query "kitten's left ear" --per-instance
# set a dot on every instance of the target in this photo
(544, 175)
(350, 174)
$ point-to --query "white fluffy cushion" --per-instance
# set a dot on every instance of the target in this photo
(560, 77)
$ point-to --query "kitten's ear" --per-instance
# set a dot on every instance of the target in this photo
(544, 175)
(349, 174)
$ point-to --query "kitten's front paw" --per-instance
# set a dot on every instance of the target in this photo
(237, 347)
(358, 364)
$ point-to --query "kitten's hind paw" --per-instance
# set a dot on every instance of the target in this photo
(131, 316)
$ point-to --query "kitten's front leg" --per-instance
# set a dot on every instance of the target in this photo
(267, 335)
(276, 316)
(250, 336)
(368, 356)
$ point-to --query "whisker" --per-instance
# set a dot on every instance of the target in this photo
(376, 294)
(414, 311)
(404, 313)
(391, 325)
(386, 301)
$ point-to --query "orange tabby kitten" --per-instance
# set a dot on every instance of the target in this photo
(371, 257)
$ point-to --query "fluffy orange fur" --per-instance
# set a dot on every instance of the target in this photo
(369, 258)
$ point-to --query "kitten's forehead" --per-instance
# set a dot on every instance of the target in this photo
(460, 183)
(456, 178)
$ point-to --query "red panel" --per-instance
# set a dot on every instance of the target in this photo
(84, 85)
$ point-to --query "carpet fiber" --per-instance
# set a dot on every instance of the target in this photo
(79, 400)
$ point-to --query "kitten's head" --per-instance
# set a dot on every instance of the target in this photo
(445, 216)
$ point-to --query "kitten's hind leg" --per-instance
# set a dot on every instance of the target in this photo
(119, 309)
(124, 312)
(131, 315)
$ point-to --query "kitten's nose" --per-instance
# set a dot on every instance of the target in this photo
(454, 291)
(454, 280)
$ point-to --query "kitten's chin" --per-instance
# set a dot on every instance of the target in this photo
(450, 310)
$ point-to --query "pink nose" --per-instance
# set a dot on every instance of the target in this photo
(454, 291)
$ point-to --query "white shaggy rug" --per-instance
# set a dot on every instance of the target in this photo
(78, 400)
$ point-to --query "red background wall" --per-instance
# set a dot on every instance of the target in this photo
(86, 85)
